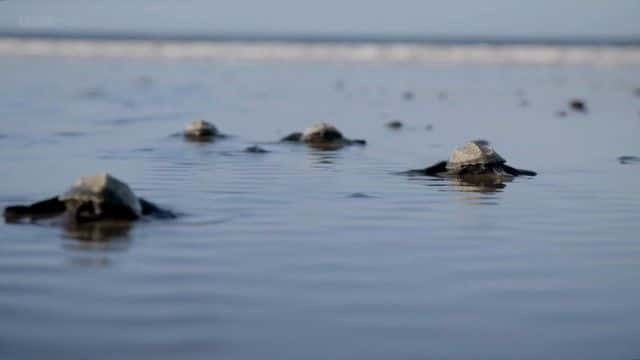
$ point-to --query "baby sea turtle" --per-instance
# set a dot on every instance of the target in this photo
(200, 130)
(323, 136)
(578, 105)
(394, 124)
(91, 198)
(475, 159)
(629, 159)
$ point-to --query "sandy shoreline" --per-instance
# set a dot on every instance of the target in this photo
(524, 54)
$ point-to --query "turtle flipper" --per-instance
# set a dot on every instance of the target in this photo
(433, 170)
(293, 137)
(149, 208)
(516, 172)
(358, 142)
(41, 209)
(438, 168)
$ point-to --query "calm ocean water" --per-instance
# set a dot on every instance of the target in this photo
(305, 254)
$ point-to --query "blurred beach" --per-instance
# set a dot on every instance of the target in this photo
(460, 50)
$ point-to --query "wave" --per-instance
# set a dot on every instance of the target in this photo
(339, 51)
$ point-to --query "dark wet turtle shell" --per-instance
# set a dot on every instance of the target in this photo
(474, 153)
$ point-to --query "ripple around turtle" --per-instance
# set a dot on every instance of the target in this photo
(360, 195)
(130, 120)
(70, 134)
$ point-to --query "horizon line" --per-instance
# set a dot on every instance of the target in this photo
(235, 36)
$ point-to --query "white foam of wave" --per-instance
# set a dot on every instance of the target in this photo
(359, 52)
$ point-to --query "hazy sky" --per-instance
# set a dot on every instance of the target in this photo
(399, 17)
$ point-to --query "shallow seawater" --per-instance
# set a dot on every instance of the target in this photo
(306, 254)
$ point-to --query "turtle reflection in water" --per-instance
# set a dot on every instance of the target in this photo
(322, 136)
(475, 163)
(95, 199)
(97, 231)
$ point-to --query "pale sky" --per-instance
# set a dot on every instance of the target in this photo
(561, 18)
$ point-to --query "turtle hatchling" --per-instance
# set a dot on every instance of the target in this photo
(200, 130)
(473, 159)
(92, 198)
(323, 136)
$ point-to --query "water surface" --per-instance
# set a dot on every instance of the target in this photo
(300, 253)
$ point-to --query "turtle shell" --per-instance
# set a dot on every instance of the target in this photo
(477, 152)
(321, 133)
(200, 128)
(101, 194)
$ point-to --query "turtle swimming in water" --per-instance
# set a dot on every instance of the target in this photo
(474, 161)
(202, 131)
(322, 136)
(92, 198)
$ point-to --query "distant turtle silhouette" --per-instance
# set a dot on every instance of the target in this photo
(629, 159)
(322, 136)
(578, 105)
(394, 124)
(201, 131)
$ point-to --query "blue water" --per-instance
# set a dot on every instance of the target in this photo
(275, 257)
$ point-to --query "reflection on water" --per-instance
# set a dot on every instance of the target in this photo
(98, 261)
(475, 190)
(478, 184)
(98, 231)
(91, 232)
(482, 185)
(323, 157)
(90, 244)
(93, 251)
